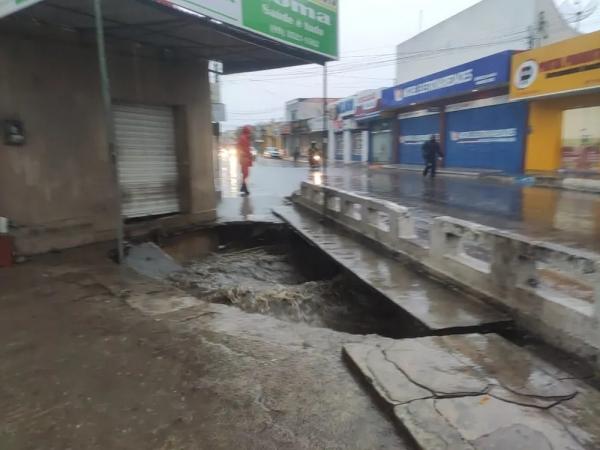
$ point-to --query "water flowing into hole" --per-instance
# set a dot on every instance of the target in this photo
(268, 280)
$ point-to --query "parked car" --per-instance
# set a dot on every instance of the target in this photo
(272, 152)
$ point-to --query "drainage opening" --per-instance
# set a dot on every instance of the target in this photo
(271, 271)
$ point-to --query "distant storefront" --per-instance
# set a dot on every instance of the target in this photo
(562, 83)
(371, 130)
(467, 108)
(357, 140)
(381, 142)
(344, 125)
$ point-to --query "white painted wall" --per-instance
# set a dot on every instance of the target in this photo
(489, 27)
(347, 146)
(304, 108)
(365, 153)
(331, 143)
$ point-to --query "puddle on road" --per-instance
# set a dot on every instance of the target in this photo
(273, 280)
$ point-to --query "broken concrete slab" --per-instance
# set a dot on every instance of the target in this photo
(431, 303)
(478, 392)
(150, 260)
(393, 386)
(483, 422)
(435, 369)
(421, 420)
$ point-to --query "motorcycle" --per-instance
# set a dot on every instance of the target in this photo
(315, 161)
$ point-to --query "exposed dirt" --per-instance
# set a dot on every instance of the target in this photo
(81, 369)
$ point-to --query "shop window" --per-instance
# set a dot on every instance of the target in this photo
(581, 139)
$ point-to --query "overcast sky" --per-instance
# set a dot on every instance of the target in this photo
(369, 32)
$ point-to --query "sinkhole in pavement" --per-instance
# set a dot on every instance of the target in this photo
(269, 270)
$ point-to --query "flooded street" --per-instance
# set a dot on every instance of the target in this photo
(567, 217)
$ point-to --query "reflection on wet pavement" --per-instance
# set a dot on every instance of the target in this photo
(571, 218)
(568, 217)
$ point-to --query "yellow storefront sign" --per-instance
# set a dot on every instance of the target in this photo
(568, 66)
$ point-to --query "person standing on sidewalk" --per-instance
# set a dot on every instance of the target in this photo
(245, 157)
(431, 152)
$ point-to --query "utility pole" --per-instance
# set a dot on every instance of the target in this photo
(541, 31)
(325, 121)
(108, 118)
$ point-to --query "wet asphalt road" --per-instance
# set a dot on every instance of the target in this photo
(567, 217)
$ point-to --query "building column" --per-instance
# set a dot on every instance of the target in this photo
(347, 146)
(202, 200)
(332, 143)
(365, 146)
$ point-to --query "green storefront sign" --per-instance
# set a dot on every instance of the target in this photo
(309, 24)
(10, 6)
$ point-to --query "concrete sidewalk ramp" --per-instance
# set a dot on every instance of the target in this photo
(436, 306)
(478, 392)
(150, 260)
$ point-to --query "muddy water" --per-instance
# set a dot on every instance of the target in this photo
(265, 280)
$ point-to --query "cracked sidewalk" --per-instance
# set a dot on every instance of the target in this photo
(478, 392)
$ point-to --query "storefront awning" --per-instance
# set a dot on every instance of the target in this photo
(161, 27)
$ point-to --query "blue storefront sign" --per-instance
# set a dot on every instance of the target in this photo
(492, 137)
(346, 107)
(484, 73)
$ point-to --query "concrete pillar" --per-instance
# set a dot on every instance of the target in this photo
(406, 226)
(597, 315)
(331, 146)
(394, 232)
(511, 267)
(347, 146)
(201, 187)
(365, 147)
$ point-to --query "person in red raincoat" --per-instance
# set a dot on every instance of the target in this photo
(245, 156)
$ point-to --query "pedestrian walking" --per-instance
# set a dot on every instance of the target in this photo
(245, 157)
(431, 152)
(296, 154)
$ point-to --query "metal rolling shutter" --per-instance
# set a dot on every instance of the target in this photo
(490, 137)
(147, 160)
(414, 132)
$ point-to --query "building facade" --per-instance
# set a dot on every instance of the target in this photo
(561, 83)
(71, 170)
(268, 134)
(305, 124)
(486, 28)
(468, 109)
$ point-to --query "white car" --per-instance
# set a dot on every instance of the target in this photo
(272, 152)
